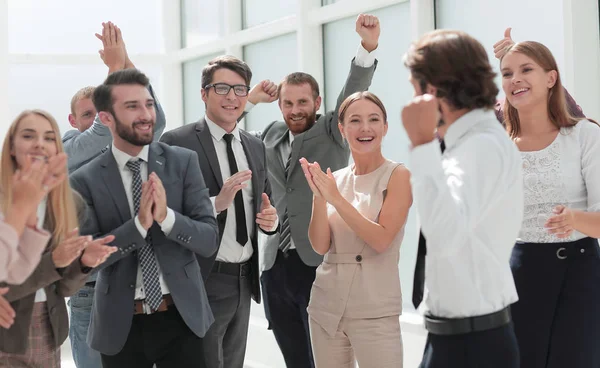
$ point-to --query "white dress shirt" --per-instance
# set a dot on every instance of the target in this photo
(567, 172)
(230, 251)
(470, 203)
(40, 295)
(167, 225)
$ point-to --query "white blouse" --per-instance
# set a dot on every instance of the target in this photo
(567, 172)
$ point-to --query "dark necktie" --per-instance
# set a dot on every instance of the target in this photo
(419, 277)
(285, 236)
(241, 231)
(147, 258)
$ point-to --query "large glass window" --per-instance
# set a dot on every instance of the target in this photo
(201, 21)
(68, 26)
(390, 83)
(193, 106)
(487, 23)
(271, 59)
(51, 87)
(262, 11)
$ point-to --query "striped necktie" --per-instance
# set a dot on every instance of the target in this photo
(285, 236)
(147, 258)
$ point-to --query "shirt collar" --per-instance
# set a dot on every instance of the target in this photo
(122, 157)
(217, 132)
(290, 137)
(465, 123)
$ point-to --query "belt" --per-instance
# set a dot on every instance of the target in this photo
(348, 258)
(459, 326)
(140, 307)
(233, 269)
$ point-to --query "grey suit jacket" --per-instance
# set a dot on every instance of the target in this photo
(197, 137)
(322, 143)
(195, 232)
(83, 147)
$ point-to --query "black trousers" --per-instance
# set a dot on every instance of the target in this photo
(495, 348)
(557, 317)
(286, 292)
(160, 338)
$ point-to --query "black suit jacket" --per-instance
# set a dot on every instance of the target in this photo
(197, 137)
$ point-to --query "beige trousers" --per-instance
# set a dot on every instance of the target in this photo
(373, 343)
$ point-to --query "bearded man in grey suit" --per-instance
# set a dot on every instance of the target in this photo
(288, 261)
(150, 306)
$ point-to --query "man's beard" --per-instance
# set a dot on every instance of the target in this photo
(129, 135)
(310, 120)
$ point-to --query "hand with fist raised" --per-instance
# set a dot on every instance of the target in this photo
(367, 27)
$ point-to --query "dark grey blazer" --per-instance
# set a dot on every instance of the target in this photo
(197, 137)
(322, 143)
(195, 232)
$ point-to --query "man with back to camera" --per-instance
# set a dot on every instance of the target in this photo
(469, 194)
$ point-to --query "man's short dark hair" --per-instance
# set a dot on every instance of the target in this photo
(102, 98)
(298, 79)
(226, 62)
(457, 65)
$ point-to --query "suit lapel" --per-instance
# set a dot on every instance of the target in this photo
(208, 146)
(252, 166)
(110, 173)
(156, 161)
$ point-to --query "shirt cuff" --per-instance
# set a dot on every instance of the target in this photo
(275, 225)
(212, 200)
(250, 105)
(168, 222)
(364, 58)
(143, 232)
(426, 159)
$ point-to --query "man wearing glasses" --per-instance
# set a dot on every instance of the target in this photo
(234, 169)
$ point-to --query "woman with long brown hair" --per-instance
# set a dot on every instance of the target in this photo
(556, 261)
(41, 322)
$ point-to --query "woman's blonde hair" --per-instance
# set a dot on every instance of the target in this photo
(61, 214)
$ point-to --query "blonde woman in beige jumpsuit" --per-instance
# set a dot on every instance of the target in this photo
(357, 222)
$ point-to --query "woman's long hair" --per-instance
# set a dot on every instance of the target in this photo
(557, 103)
(61, 214)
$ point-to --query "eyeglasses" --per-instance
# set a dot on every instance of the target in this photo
(240, 90)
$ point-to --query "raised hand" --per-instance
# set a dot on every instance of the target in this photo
(97, 251)
(263, 92)
(57, 171)
(69, 249)
(501, 46)
(268, 214)
(367, 27)
(113, 53)
(420, 118)
(230, 187)
(28, 187)
(309, 178)
(7, 313)
(325, 183)
(145, 214)
(159, 196)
